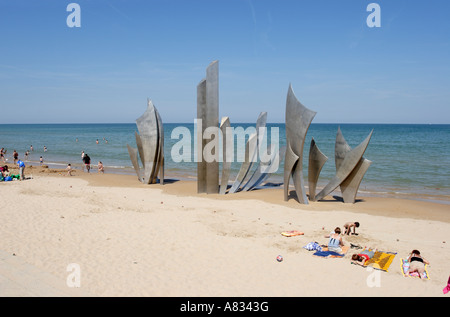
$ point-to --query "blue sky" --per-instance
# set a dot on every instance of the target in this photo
(128, 51)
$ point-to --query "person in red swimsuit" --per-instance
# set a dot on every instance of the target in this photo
(363, 257)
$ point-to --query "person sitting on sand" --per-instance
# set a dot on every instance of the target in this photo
(349, 225)
(69, 170)
(416, 263)
(100, 167)
(363, 257)
(335, 242)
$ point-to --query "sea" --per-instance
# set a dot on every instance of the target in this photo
(410, 161)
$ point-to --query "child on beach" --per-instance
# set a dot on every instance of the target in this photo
(69, 170)
(349, 225)
(100, 167)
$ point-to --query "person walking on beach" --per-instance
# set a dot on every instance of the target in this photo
(15, 156)
(69, 170)
(2, 154)
(87, 162)
(41, 161)
(21, 169)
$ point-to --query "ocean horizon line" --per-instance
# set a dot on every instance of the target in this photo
(236, 122)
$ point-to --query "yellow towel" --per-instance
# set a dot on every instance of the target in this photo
(381, 260)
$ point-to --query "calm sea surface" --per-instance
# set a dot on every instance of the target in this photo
(408, 160)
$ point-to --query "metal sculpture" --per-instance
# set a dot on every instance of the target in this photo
(226, 161)
(208, 114)
(346, 165)
(349, 187)
(316, 161)
(251, 155)
(150, 146)
(298, 120)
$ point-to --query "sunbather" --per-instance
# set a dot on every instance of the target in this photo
(416, 263)
(363, 257)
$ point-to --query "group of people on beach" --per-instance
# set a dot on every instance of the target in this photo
(87, 163)
(335, 244)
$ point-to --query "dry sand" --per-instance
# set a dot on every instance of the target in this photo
(131, 239)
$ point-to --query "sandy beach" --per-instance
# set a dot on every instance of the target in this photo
(131, 239)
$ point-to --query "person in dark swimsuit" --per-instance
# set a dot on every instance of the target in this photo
(416, 263)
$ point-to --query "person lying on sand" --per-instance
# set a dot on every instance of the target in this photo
(416, 263)
(363, 257)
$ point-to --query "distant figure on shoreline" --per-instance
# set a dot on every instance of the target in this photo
(45, 148)
(41, 160)
(100, 167)
(69, 170)
(82, 155)
(21, 169)
(31, 148)
(87, 162)
(15, 156)
(96, 141)
(2, 154)
(26, 154)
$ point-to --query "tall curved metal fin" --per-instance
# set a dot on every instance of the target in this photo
(226, 161)
(208, 112)
(149, 146)
(251, 154)
(254, 162)
(347, 165)
(316, 161)
(262, 173)
(133, 152)
(245, 165)
(298, 120)
(349, 187)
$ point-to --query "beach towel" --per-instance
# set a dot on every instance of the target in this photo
(313, 246)
(381, 260)
(405, 267)
(330, 254)
(292, 233)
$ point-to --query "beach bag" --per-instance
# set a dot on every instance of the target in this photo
(313, 246)
(8, 178)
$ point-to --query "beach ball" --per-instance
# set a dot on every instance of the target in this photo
(279, 258)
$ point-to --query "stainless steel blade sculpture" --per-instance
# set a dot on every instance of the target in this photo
(316, 161)
(150, 146)
(345, 166)
(251, 153)
(262, 171)
(298, 120)
(349, 187)
(208, 114)
(226, 159)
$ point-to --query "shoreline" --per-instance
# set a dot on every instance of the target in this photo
(132, 239)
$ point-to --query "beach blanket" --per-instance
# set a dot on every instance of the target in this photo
(381, 260)
(405, 267)
(292, 233)
(330, 254)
